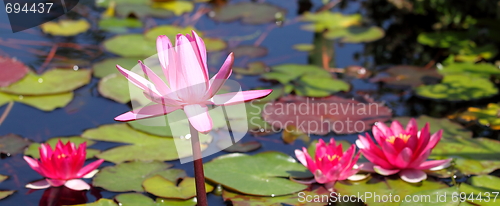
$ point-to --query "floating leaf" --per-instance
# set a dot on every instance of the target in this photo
(108, 66)
(291, 133)
(385, 186)
(458, 88)
(135, 199)
(484, 70)
(141, 11)
(170, 31)
(322, 115)
(239, 146)
(254, 68)
(13, 144)
(141, 146)
(256, 124)
(214, 44)
(303, 47)
(54, 81)
(42, 102)
(177, 6)
(482, 190)
(100, 202)
(33, 149)
(106, 3)
(129, 176)
(239, 172)
(115, 87)
(130, 45)
(161, 187)
(248, 12)
(409, 76)
(66, 27)
(294, 199)
(356, 34)
(490, 116)
(438, 197)
(4, 194)
(119, 25)
(306, 80)
(450, 129)
(11, 71)
(444, 39)
(249, 51)
(472, 53)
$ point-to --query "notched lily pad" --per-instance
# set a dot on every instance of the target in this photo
(119, 25)
(136, 199)
(66, 27)
(161, 187)
(130, 45)
(484, 70)
(294, 199)
(4, 194)
(33, 149)
(108, 66)
(489, 116)
(11, 71)
(42, 102)
(11, 144)
(248, 12)
(458, 88)
(115, 87)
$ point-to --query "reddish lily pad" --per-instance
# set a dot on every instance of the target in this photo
(297, 199)
(322, 115)
(249, 51)
(12, 71)
(162, 187)
(248, 12)
(409, 76)
(13, 144)
(4, 194)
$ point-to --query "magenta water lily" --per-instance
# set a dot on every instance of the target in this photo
(401, 151)
(62, 165)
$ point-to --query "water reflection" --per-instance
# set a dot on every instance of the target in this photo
(59, 196)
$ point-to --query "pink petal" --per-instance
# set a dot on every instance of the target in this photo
(194, 79)
(367, 167)
(198, 117)
(384, 129)
(220, 78)
(434, 140)
(239, 97)
(385, 172)
(157, 81)
(41, 184)
(397, 128)
(378, 135)
(77, 184)
(412, 176)
(33, 164)
(146, 112)
(419, 159)
(311, 165)
(412, 127)
(301, 156)
(138, 80)
(201, 50)
(55, 182)
(404, 158)
(89, 168)
(377, 160)
(163, 45)
(434, 165)
(91, 174)
(321, 178)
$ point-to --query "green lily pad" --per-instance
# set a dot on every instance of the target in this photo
(488, 116)
(303, 47)
(248, 12)
(327, 20)
(141, 11)
(115, 87)
(161, 187)
(119, 25)
(444, 39)
(13, 144)
(249, 51)
(254, 68)
(439, 197)
(356, 34)
(129, 176)
(54, 81)
(482, 190)
(239, 146)
(4, 194)
(385, 186)
(108, 66)
(33, 149)
(43, 102)
(297, 199)
(306, 80)
(256, 124)
(473, 53)
(66, 27)
(484, 70)
(141, 146)
(458, 88)
(238, 172)
(178, 6)
(130, 45)
(170, 31)
(214, 44)
(106, 3)
(135, 199)
(12, 71)
(100, 202)
(450, 128)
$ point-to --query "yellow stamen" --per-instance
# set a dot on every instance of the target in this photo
(404, 137)
(61, 156)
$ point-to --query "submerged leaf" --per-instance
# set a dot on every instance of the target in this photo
(484, 70)
(408, 76)
(13, 144)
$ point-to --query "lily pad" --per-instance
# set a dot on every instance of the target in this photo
(450, 128)
(438, 197)
(54, 81)
(66, 27)
(43, 102)
(115, 87)
(291, 133)
(119, 25)
(214, 44)
(444, 39)
(254, 68)
(106, 3)
(141, 146)
(256, 124)
(484, 70)
(488, 116)
(239, 146)
(161, 187)
(108, 66)
(409, 76)
(384, 186)
(303, 47)
(356, 34)
(100, 202)
(178, 6)
(130, 45)
(11, 71)
(13, 144)
(322, 115)
(248, 12)
(135, 199)
(482, 190)
(458, 88)
(473, 53)
(129, 176)
(249, 51)
(4, 194)
(33, 149)
(294, 199)
(141, 11)
(306, 80)
(239, 172)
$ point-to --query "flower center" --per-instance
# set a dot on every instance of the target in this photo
(331, 158)
(404, 137)
(61, 156)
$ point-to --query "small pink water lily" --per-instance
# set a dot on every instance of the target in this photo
(401, 151)
(189, 87)
(331, 163)
(62, 166)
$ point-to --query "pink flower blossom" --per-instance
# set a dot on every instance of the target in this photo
(62, 166)
(401, 151)
(188, 85)
(330, 162)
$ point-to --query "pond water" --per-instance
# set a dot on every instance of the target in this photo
(89, 109)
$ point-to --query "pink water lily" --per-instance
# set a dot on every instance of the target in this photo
(330, 162)
(62, 166)
(403, 151)
(189, 87)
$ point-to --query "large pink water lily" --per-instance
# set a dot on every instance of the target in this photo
(189, 87)
(330, 162)
(403, 151)
(62, 166)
